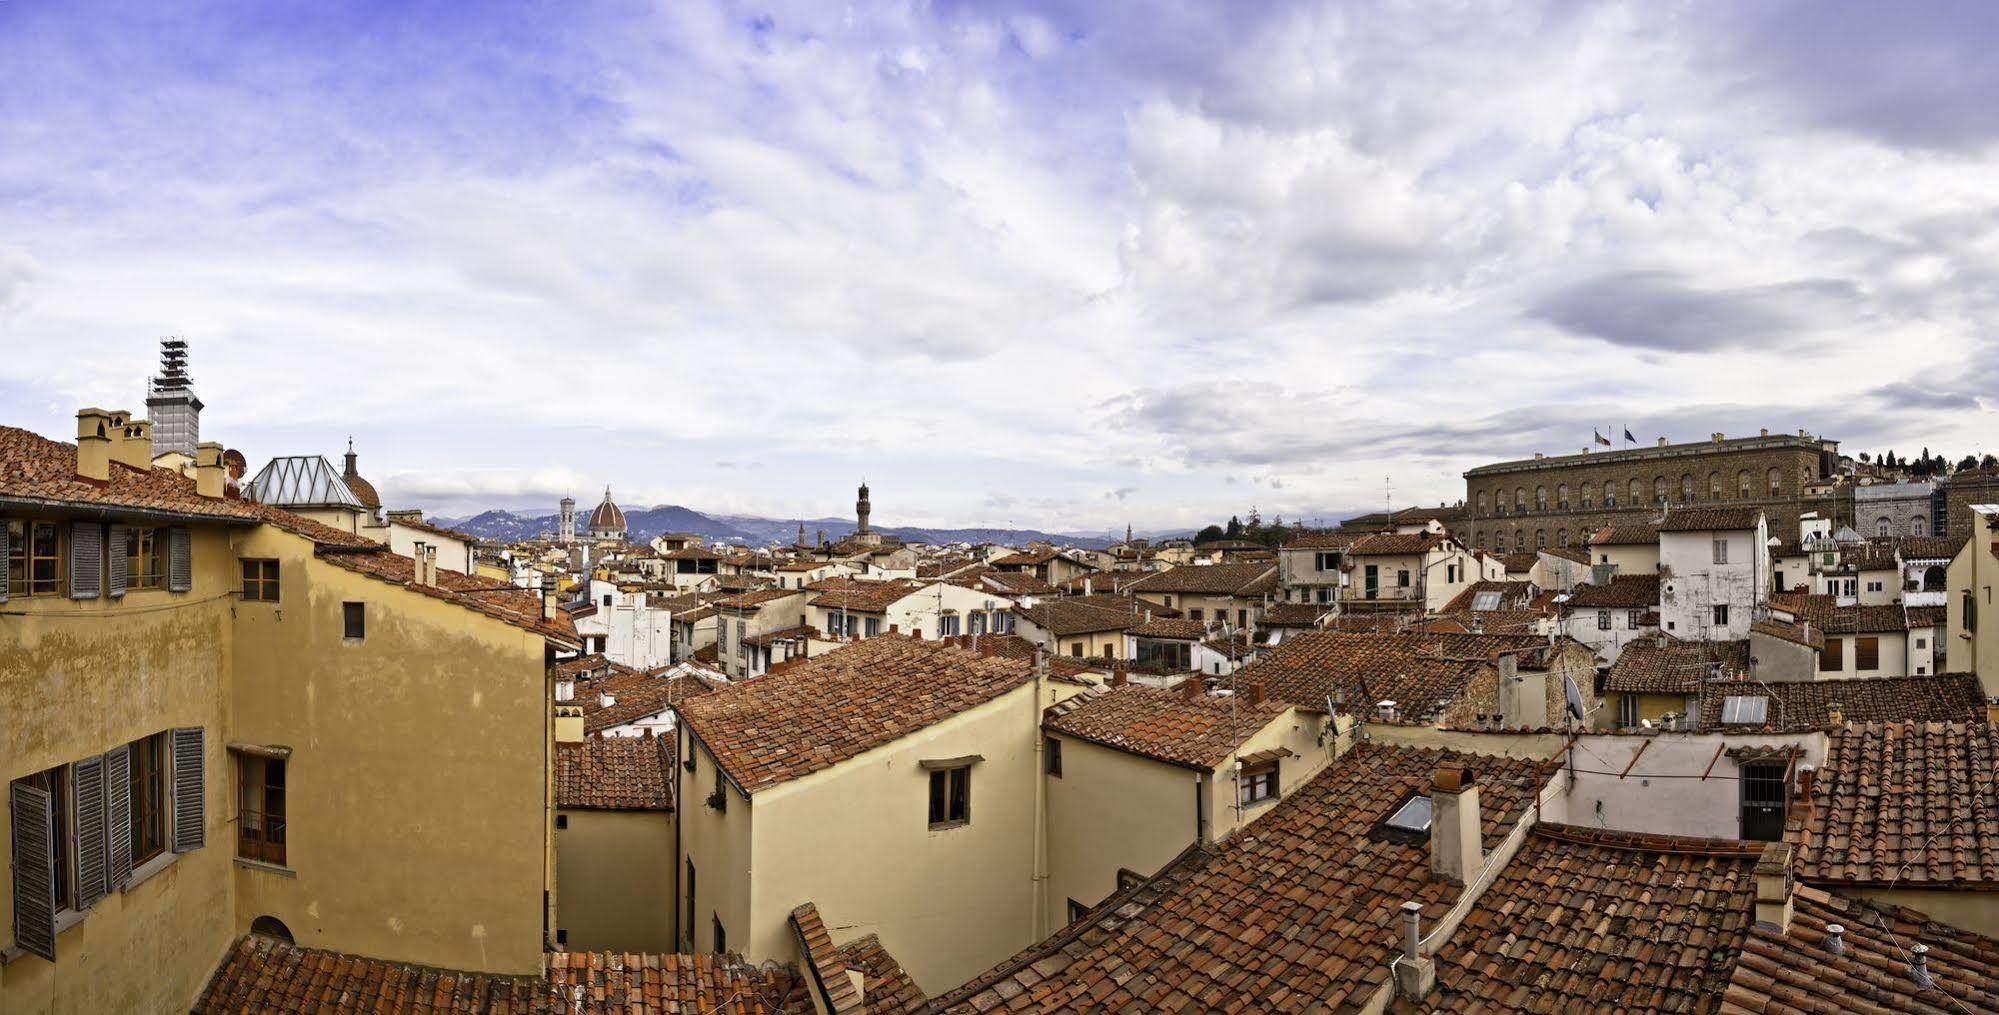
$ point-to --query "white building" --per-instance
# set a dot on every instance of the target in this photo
(625, 627)
(1714, 572)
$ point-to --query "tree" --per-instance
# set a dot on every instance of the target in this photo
(1863, 457)
(1234, 530)
(1212, 533)
(1989, 462)
(1970, 462)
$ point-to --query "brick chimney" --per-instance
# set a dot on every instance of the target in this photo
(1773, 888)
(1455, 852)
(1119, 677)
(1255, 694)
(93, 445)
(1192, 687)
(210, 477)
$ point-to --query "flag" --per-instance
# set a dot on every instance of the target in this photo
(1600, 439)
(1628, 437)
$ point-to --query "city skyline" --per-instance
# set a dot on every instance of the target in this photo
(1016, 264)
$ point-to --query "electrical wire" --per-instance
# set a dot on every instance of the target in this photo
(108, 614)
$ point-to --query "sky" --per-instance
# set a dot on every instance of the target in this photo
(1068, 266)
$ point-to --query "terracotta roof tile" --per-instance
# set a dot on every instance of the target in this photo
(1209, 579)
(1706, 519)
(1782, 973)
(1797, 706)
(1066, 615)
(635, 696)
(1397, 543)
(1916, 804)
(1513, 595)
(865, 596)
(1418, 671)
(1624, 591)
(1626, 535)
(1662, 664)
(829, 708)
(886, 988)
(1165, 725)
(614, 773)
(36, 469)
(499, 600)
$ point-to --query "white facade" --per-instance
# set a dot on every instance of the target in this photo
(632, 631)
(1712, 582)
(453, 554)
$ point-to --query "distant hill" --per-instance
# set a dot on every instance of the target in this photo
(750, 530)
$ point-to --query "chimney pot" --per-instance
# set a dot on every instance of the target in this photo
(1773, 887)
(1835, 939)
(1919, 964)
(211, 478)
(1119, 677)
(1662, 442)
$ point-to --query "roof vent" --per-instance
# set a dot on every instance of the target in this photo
(1919, 966)
(1835, 939)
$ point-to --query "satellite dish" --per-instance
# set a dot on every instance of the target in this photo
(1575, 696)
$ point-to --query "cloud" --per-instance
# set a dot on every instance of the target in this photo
(1666, 311)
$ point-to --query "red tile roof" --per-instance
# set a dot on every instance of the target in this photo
(1626, 535)
(886, 988)
(1418, 671)
(1252, 578)
(1624, 591)
(1165, 725)
(614, 983)
(1299, 911)
(1588, 920)
(1513, 595)
(614, 773)
(1912, 804)
(1397, 543)
(635, 696)
(1782, 973)
(829, 708)
(865, 596)
(1710, 519)
(1331, 539)
(37, 470)
(507, 603)
(1068, 615)
(1662, 664)
(1797, 706)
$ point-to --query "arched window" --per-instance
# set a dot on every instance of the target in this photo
(1540, 498)
(1609, 494)
(1919, 526)
(1637, 493)
(1687, 488)
(1520, 500)
(1481, 502)
(1742, 489)
(1562, 496)
(1659, 490)
(1776, 483)
(1519, 539)
(1884, 527)
(1540, 539)
(1933, 578)
(271, 927)
(1714, 486)
(1589, 497)
(1562, 537)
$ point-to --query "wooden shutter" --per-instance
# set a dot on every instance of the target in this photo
(6, 557)
(86, 779)
(86, 560)
(180, 560)
(117, 817)
(34, 874)
(115, 578)
(189, 826)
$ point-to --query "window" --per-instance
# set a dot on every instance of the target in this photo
(948, 625)
(1562, 537)
(1257, 783)
(1412, 818)
(689, 921)
(354, 618)
(607, 599)
(1588, 499)
(1637, 493)
(1627, 711)
(1918, 526)
(950, 796)
(1540, 539)
(1832, 658)
(1720, 614)
(1603, 620)
(561, 821)
(1484, 601)
(1326, 560)
(1540, 498)
(1721, 551)
(1562, 496)
(1867, 653)
(260, 580)
(1776, 483)
(1450, 574)
(1609, 494)
(1634, 619)
(1970, 603)
(1194, 614)
(1884, 527)
(1077, 911)
(261, 823)
(721, 936)
(1687, 488)
(1714, 486)
(1241, 619)
(1076, 647)
(1659, 490)
(142, 558)
(1763, 799)
(1402, 578)
(1520, 500)
(42, 555)
(719, 799)
(147, 788)
(1481, 507)
(1742, 486)
(1051, 753)
(871, 626)
(1744, 710)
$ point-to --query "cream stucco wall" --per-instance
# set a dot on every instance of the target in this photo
(418, 784)
(1892, 652)
(617, 880)
(1969, 647)
(1111, 809)
(1637, 558)
(718, 844)
(1975, 911)
(79, 678)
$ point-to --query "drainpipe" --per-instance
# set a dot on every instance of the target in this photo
(1040, 845)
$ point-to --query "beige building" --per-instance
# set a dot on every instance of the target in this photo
(1084, 627)
(1973, 625)
(858, 608)
(198, 689)
(614, 835)
(1231, 595)
(1421, 570)
(896, 783)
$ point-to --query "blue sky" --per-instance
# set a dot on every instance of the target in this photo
(1056, 265)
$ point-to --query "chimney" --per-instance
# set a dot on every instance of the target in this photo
(1119, 677)
(1717, 437)
(548, 596)
(1919, 966)
(93, 445)
(1765, 432)
(1414, 974)
(895, 629)
(1087, 583)
(210, 478)
(416, 572)
(1255, 694)
(986, 648)
(132, 440)
(1773, 888)
(1192, 688)
(430, 564)
(1835, 939)
(1538, 456)
(568, 724)
(1386, 709)
(1455, 852)
(606, 699)
(1662, 442)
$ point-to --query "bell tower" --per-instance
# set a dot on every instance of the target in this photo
(861, 510)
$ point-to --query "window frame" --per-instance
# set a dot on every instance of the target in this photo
(145, 565)
(264, 582)
(1052, 756)
(162, 804)
(58, 563)
(950, 797)
(1256, 784)
(354, 620)
(1866, 653)
(270, 824)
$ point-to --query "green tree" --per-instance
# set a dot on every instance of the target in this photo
(1969, 462)
(1211, 534)
(1234, 530)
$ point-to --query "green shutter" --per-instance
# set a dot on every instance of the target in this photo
(34, 871)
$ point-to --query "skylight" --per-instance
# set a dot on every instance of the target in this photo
(1741, 709)
(1412, 817)
(1484, 601)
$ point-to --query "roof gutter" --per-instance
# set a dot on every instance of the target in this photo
(109, 512)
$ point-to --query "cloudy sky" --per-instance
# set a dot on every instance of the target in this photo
(1056, 265)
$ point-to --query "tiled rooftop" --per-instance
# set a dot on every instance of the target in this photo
(830, 708)
(1710, 519)
(1797, 706)
(1662, 664)
(1418, 671)
(634, 696)
(1397, 543)
(1622, 592)
(1298, 911)
(1066, 615)
(1777, 974)
(1165, 725)
(34, 468)
(1914, 804)
(614, 773)
(865, 596)
(1210, 579)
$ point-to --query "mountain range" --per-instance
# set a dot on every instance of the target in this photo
(644, 523)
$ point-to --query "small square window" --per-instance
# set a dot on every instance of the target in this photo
(260, 580)
(950, 796)
(1052, 751)
(1258, 783)
(562, 821)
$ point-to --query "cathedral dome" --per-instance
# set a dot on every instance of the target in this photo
(362, 490)
(607, 517)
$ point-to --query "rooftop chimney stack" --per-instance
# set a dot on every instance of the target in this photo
(1192, 687)
(416, 556)
(1255, 694)
(131, 440)
(210, 477)
(1773, 888)
(1415, 975)
(548, 596)
(1455, 852)
(1919, 965)
(430, 564)
(93, 445)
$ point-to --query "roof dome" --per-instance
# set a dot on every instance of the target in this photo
(362, 490)
(607, 517)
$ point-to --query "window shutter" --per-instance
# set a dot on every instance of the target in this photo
(87, 779)
(5, 551)
(180, 565)
(117, 817)
(115, 577)
(189, 826)
(34, 862)
(86, 560)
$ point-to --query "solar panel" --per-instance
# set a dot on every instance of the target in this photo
(1741, 709)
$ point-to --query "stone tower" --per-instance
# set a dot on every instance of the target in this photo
(565, 522)
(861, 509)
(171, 404)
